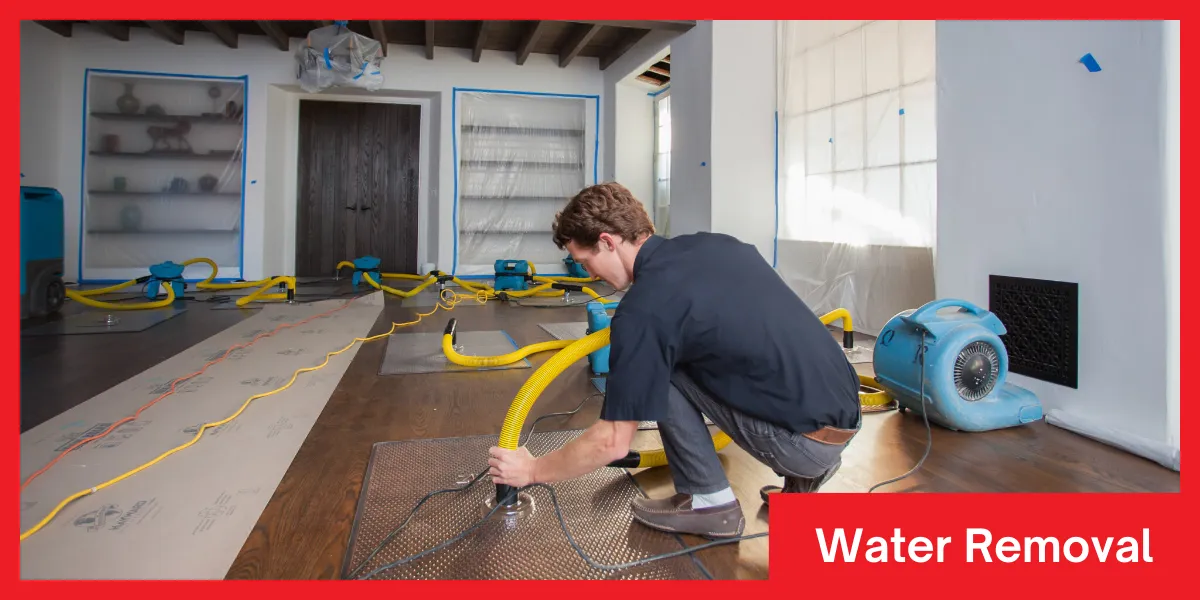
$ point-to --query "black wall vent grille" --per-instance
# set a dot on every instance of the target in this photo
(1042, 319)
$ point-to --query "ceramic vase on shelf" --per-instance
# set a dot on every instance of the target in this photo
(128, 104)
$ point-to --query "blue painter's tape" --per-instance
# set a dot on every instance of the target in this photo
(596, 147)
(703, 164)
(454, 144)
(654, 94)
(830, 140)
(902, 111)
(175, 75)
(1089, 61)
(253, 181)
(327, 63)
(775, 256)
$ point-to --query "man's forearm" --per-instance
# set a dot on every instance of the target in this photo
(578, 457)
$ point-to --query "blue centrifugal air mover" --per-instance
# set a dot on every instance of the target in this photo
(965, 368)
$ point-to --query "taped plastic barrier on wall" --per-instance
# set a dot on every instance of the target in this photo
(857, 165)
(163, 173)
(520, 159)
(334, 56)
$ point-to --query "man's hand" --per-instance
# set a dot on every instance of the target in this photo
(511, 467)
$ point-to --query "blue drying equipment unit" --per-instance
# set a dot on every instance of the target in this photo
(167, 273)
(42, 288)
(965, 367)
(597, 319)
(366, 264)
(512, 275)
(574, 269)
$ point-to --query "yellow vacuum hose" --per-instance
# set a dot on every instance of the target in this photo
(450, 337)
(82, 298)
(514, 421)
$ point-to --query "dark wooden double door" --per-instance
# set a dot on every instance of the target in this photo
(359, 175)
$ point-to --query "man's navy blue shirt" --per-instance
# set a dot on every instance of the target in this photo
(709, 304)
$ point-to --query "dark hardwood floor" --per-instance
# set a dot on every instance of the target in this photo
(303, 532)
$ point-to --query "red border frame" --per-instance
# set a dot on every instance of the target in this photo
(796, 566)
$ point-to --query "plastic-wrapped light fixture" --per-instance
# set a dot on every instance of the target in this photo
(334, 56)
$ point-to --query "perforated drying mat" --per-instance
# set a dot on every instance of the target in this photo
(596, 509)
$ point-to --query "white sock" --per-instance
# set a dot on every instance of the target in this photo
(724, 496)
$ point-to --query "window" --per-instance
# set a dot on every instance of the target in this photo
(662, 164)
(858, 136)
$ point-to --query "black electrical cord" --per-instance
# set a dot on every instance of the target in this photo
(928, 430)
(557, 511)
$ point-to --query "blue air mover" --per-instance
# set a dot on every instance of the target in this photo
(366, 264)
(574, 269)
(42, 289)
(512, 275)
(167, 273)
(597, 319)
(965, 368)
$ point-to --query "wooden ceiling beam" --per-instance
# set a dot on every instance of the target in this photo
(275, 33)
(659, 70)
(651, 80)
(480, 36)
(119, 31)
(380, 35)
(575, 43)
(62, 28)
(626, 42)
(429, 39)
(680, 26)
(527, 42)
(172, 33)
(223, 31)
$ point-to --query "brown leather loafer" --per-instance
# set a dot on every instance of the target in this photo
(675, 514)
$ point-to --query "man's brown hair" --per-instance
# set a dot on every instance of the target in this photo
(603, 208)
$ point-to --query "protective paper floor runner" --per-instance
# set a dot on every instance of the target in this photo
(189, 515)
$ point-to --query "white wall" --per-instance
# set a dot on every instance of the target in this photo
(743, 132)
(635, 142)
(691, 130)
(41, 102)
(634, 61)
(1049, 171)
(405, 69)
(723, 129)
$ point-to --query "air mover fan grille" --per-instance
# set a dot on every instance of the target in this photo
(975, 370)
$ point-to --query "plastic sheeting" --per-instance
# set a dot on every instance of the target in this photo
(857, 165)
(521, 158)
(334, 56)
(163, 174)
(1163, 454)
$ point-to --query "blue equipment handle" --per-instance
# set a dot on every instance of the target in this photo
(929, 311)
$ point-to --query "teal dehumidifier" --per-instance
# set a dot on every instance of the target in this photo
(42, 289)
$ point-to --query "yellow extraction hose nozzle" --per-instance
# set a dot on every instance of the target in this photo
(847, 325)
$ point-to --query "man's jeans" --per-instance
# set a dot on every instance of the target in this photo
(694, 464)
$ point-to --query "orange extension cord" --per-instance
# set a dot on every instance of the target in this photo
(135, 415)
(452, 300)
